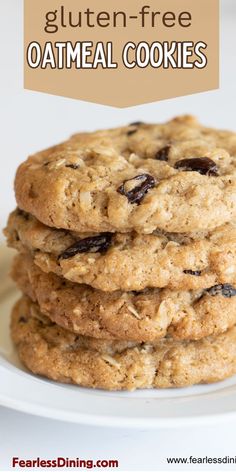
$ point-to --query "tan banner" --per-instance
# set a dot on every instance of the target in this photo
(121, 53)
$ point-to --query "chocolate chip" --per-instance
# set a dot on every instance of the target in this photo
(73, 166)
(226, 290)
(193, 272)
(163, 153)
(136, 194)
(22, 319)
(203, 165)
(99, 243)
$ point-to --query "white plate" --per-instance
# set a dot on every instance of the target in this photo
(23, 391)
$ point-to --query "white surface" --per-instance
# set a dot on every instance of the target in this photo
(202, 404)
(142, 450)
(30, 121)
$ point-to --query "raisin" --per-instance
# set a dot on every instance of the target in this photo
(162, 154)
(99, 243)
(226, 290)
(131, 131)
(136, 194)
(203, 165)
(22, 213)
(193, 272)
(22, 319)
(73, 166)
(136, 123)
(19, 211)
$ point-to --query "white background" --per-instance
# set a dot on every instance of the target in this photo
(31, 121)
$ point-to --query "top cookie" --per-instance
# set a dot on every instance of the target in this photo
(177, 177)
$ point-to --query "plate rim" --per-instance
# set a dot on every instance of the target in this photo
(115, 422)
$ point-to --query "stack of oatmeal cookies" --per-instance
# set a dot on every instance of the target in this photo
(126, 244)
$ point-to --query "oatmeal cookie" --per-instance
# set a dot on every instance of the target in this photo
(178, 177)
(60, 355)
(128, 261)
(134, 316)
